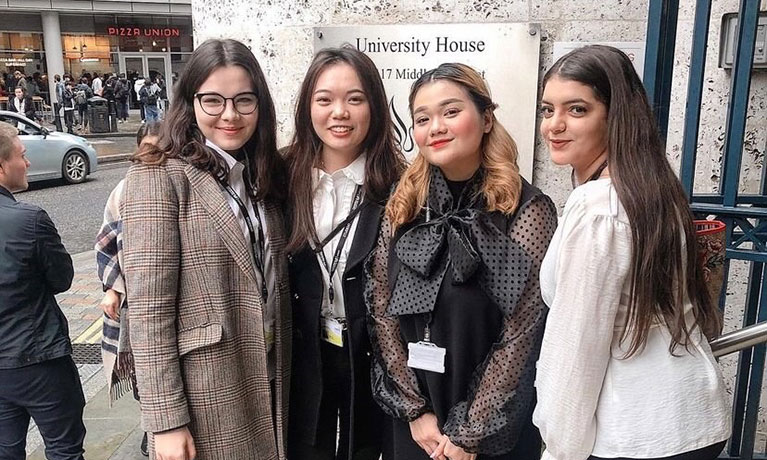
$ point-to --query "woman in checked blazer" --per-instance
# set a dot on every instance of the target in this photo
(205, 267)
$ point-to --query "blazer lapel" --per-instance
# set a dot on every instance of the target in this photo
(209, 193)
(365, 235)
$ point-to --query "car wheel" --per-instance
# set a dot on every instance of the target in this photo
(75, 167)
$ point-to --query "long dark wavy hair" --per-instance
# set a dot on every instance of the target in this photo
(182, 138)
(384, 162)
(665, 267)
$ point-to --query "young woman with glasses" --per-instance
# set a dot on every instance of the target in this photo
(456, 312)
(343, 162)
(205, 267)
(625, 370)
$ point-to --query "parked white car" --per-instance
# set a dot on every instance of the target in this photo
(53, 154)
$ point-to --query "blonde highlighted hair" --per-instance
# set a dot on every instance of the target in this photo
(502, 184)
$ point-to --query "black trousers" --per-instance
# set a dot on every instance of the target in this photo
(51, 394)
(334, 408)
(69, 116)
(705, 453)
(82, 112)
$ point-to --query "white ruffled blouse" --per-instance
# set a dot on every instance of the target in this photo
(592, 401)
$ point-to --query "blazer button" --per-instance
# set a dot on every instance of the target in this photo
(295, 296)
(367, 353)
(290, 259)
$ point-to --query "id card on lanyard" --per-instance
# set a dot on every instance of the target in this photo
(333, 331)
(426, 355)
(333, 328)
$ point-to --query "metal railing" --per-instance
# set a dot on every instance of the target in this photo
(745, 215)
(739, 340)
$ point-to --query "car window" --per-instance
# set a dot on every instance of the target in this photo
(28, 130)
(24, 129)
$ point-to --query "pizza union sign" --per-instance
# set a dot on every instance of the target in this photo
(144, 31)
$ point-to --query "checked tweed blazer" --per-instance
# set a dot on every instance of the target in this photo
(196, 316)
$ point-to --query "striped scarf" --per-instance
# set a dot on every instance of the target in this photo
(115, 345)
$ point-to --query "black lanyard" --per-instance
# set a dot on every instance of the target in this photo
(344, 228)
(257, 245)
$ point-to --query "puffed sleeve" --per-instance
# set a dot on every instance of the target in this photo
(501, 394)
(395, 386)
(592, 265)
(151, 247)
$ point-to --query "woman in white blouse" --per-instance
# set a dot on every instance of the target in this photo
(625, 369)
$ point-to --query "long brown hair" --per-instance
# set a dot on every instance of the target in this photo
(665, 268)
(180, 136)
(502, 184)
(384, 162)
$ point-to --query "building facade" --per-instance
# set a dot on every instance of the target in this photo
(78, 37)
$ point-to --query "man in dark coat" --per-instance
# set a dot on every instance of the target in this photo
(38, 378)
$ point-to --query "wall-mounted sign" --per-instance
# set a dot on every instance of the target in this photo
(506, 55)
(16, 62)
(158, 32)
(634, 50)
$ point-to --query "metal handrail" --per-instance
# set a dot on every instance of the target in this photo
(739, 340)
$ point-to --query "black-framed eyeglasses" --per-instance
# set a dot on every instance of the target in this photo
(214, 104)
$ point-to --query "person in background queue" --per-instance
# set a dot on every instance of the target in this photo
(206, 271)
(22, 103)
(68, 104)
(82, 94)
(343, 162)
(454, 299)
(122, 94)
(625, 369)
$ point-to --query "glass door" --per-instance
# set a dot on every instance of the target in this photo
(146, 66)
(133, 67)
(157, 69)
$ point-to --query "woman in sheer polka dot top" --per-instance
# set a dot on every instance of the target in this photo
(456, 316)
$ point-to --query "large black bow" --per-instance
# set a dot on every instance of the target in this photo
(475, 246)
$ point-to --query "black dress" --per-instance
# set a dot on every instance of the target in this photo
(472, 276)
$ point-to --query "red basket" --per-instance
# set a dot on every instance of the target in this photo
(711, 253)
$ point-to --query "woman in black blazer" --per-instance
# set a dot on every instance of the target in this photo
(343, 161)
(22, 103)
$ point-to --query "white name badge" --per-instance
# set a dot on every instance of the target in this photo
(426, 356)
(333, 331)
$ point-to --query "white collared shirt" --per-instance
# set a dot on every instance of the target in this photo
(332, 202)
(237, 182)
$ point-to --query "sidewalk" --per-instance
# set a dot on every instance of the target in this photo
(112, 433)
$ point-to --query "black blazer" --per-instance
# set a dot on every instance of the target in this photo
(33, 267)
(29, 106)
(306, 379)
